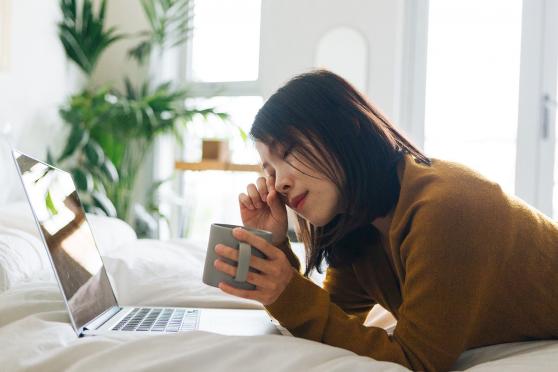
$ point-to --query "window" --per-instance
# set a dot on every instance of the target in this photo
(472, 84)
(226, 41)
(223, 64)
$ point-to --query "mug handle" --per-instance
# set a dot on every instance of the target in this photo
(244, 253)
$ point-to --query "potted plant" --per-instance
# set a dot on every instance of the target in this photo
(112, 131)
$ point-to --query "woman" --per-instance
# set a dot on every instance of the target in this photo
(459, 263)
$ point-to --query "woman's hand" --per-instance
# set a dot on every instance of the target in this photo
(262, 208)
(275, 271)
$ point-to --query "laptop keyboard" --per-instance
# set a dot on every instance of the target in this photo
(159, 320)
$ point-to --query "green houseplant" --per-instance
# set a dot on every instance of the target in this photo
(111, 131)
(82, 33)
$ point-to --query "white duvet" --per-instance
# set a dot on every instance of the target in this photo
(35, 333)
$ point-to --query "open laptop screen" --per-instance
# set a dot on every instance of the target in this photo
(53, 197)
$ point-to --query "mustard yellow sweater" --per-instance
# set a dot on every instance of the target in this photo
(466, 265)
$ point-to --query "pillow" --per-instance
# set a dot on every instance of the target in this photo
(110, 233)
(11, 186)
(23, 255)
(22, 258)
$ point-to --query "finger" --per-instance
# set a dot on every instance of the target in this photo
(244, 293)
(269, 250)
(273, 198)
(270, 183)
(262, 188)
(257, 263)
(254, 195)
(259, 281)
(245, 201)
(224, 267)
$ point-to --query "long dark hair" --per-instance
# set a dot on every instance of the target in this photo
(329, 125)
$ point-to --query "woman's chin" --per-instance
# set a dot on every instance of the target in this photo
(317, 221)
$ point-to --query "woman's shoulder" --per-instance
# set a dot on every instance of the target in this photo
(446, 201)
(444, 179)
(446, 187)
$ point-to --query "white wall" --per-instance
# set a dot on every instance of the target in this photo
(33, 86)
(37, 79)
(128, 17)
(291, 30)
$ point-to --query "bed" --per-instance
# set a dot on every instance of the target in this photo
(35, 332)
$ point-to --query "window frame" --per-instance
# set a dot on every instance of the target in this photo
(200, 89)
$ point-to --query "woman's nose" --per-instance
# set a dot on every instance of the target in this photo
(282, 185)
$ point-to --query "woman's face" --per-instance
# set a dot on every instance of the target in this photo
(308, 192)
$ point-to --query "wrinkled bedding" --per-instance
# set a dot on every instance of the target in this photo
(35, 332)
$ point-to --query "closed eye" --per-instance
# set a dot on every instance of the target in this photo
(287, 152)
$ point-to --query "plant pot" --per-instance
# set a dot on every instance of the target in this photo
(216, 150)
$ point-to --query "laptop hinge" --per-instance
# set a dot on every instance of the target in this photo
(102, 318)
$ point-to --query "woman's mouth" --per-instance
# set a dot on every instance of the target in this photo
(298, 201)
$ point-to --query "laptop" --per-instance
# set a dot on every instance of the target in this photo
(83, 279)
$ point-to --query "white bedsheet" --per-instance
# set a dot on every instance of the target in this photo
(35, 333)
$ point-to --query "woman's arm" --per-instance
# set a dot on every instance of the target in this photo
(434, 322)
(344, 290)
(307, 311)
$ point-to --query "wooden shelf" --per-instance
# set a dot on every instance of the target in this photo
(217, 165)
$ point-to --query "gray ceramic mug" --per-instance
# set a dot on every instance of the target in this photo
(222, 234)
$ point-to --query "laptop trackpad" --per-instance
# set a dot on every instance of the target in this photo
(236, 322)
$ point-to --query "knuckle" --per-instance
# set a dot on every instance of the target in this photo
(241, 233)
(268, 246)
(281, 255)
(274, 271)
(253, 263)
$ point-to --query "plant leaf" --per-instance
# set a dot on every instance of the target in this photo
(83, 179)
(82, 32)
(94, 153)
(103, 202)
(109, 170)
(50, 205)
(77, 138)
(49, 157)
